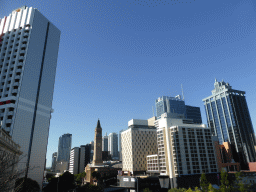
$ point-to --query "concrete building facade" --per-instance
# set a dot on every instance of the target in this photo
(74, 160)
(184, 149)
(29, 45)
(138, 141)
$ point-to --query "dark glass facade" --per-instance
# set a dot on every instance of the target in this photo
(175, 105)
(193, 113)
(229, 119)
(64, 147)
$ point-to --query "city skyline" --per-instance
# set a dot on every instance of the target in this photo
(116, 58)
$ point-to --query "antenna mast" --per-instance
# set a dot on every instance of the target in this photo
(182, 92)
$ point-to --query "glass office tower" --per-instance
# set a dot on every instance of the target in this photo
(229, 119)
(64, 147)
(175, 107)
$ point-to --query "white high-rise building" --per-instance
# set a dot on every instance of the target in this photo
(29, 46)
(184, 148)
(74, 160)
(113, 145)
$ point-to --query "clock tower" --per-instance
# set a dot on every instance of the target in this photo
(97, 156)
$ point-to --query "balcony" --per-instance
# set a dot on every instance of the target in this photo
(25, 34)
(25, 39)
(8, 121)
(10, 113)
(21, 57)
(14, 91)
(17, 77)
(23, 46)
(16, 84)
(18, 70)
(22, 51)
(20, 64)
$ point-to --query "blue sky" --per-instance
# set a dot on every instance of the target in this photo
(117, 56)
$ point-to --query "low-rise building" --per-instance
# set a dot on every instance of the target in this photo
(61, 167)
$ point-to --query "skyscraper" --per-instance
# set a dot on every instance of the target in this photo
(85, 153)
(105, 143)
(29, 46)
(64, 147)
(54, 160)
(175, 107)
(74, 160)
(113, 145)
(229, 119)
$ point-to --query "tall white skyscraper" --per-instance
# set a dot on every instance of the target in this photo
(113, 145)
(29, 46)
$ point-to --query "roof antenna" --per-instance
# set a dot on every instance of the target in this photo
(182, 92)
(153, 111)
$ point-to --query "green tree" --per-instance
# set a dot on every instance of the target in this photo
(203, 182)
(189, 190)
(79, 177)
(211, 188)
(225, 184)
(30, 185)
(177, 190)
(146, 190)
(239, 181)
(197, 190)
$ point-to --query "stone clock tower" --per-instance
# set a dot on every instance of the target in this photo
(97, 156)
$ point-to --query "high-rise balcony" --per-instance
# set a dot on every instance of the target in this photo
(17, 77)
(16, 84)
(25, 39)
(14, 91)
(22, 51)
(20, 64)
(18, 70)
(8, 121)
(21, 57)
(23, 46)
(10, 113)
(25, 34)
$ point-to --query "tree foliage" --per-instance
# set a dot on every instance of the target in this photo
(203, 182)
(79, 177)
(225, 184)
(30, 185)
(147, 190)
(89, 188)
(64, 183)
(239, 181)
(8, 171)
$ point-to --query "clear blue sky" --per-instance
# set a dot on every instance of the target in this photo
(117, 56)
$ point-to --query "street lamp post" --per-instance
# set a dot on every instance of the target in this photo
(58, 185)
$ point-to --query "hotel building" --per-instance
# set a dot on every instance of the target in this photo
(29, 45)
